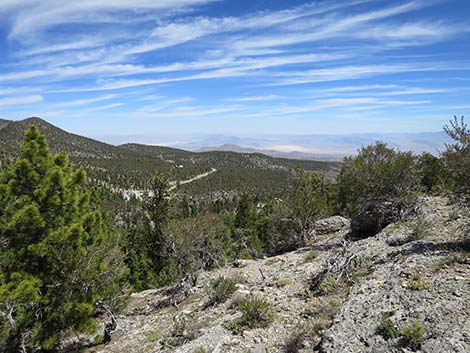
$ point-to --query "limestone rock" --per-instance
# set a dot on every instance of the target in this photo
(332, 225)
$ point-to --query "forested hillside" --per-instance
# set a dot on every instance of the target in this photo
(132, 166)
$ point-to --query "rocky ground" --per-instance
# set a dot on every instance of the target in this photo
(410, 284)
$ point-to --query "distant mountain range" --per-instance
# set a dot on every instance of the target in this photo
(320, 147)
(314, 147)
(273, 153)
(303, 147)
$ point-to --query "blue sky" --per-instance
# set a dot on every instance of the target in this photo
(174, 67)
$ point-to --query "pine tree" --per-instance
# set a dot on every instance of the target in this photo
(58, 256)
(457, 155)
(244, 231)
(146, 245)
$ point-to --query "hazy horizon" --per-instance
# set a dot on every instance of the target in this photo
(296, 146)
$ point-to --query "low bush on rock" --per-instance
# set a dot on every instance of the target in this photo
(185, 328)
(322, 311)
(414, 334)
(295, 342)
(387, 328)
(256, 313)
(417, 279)
(221, 289)
(421, 230)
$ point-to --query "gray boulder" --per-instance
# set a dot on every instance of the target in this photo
(332, 225)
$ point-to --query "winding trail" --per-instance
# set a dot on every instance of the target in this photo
(197, 177)
(127, 194)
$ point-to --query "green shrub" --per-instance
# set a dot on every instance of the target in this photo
(387, 329)
(185, 328)
(282, 282)
(328, 286)
(256, 313)
(322, 312)
(418, 284)
(432, 172)
(417, 281)
(312, 198)
(193, 244)
(221, 289)
(376, 187)
(421, 230)
(157, 335)
(439, 264)
(414, 334)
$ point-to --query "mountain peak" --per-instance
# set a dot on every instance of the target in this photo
(34, 120)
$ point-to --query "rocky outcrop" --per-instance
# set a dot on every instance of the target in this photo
(332, 225)
(421, 278)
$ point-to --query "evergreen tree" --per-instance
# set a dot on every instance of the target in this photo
(58, 257)
(244, 231)
(457, 155)
(146, 245)
(246, 211)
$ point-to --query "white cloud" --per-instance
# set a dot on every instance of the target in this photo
(108, 45)
(164, 104)
(236, 68)
(230, 65)
(363, 26)
(104, 107)
(369, 100)
(410, 31)
(359, 71)
(180, 32)
(17, 90)
(87, 101)
(40, 15)
(85, 43)
(268, 97)
(385, 90)
(360, 88)
(187, 112)
(21, 100)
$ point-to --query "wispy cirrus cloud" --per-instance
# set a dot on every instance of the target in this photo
(20, 100)
(371, 101)
(335, 26)
(80, 102)
(39, 15)
(187, 112)
(181, 32)
(266, 61)
(268, 97)
(359, 71)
